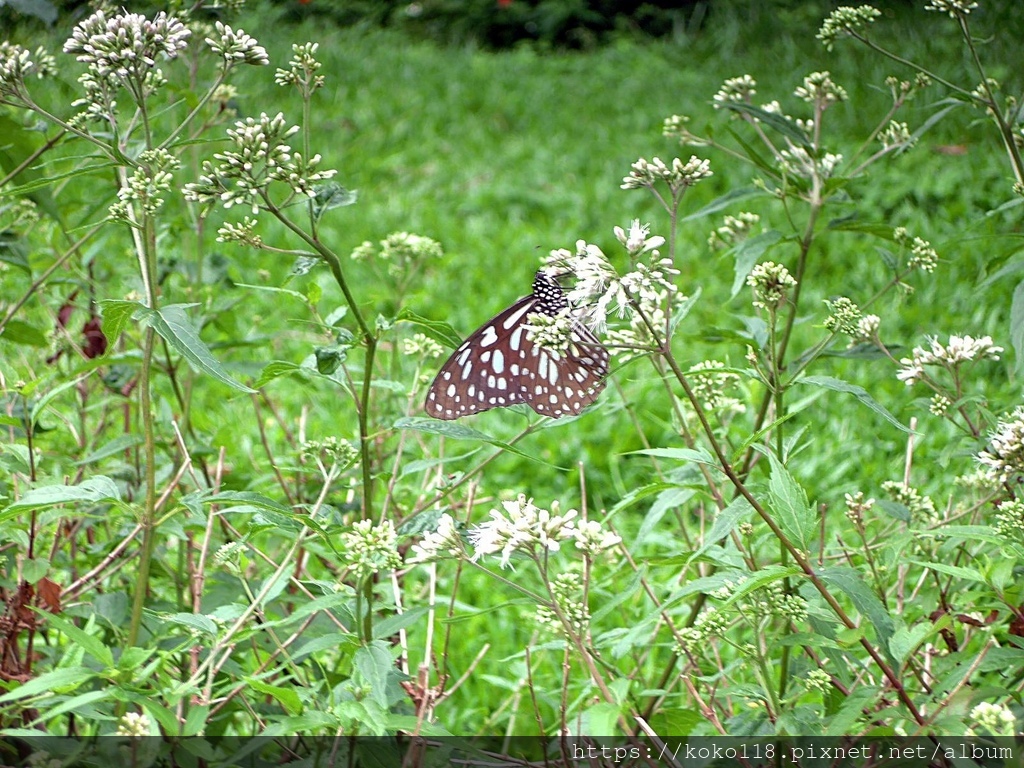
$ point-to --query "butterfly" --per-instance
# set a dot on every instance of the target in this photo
(498, 365)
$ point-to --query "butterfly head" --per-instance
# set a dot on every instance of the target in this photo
(549, 293)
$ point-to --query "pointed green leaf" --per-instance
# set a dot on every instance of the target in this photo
(91, 644)
(838, 385)
(438, 330)
(789, 503)
(747, 253)
(459, 432)
(18, 332)
(116, 314)
(93, 489)
(286, 697)
(725, 521)
(55, 681)
(723, 202)
(373, 661)
(864, 600)
(175, 327)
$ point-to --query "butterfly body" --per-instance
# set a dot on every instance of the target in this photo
(498, 365)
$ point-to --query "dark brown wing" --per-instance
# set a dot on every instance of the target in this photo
(499, 366)
(481, 373)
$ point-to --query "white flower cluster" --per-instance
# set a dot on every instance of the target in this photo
(896, 135)
(799, 162)
(819, 88)
(145, 187)
(953, 7)
(734, 229)
(844, 21)
(844, 316)
(1005, 454)
(302, 68)
(600, 291)
(127, 44)
(235, 46)
(867, 328)
(994, 718)
(735, 89)
(443, 542)
(674, 127)
(911, 498)
(959, 350)
(679, 176)
(771, 283)
(523, 527)
(243, 234)
(371, 548)
(1010, 521)
(553, 333)
(711, 384)
(567, 591)
(421, 344)
(260, 156)
(133, 724)
(857, 506)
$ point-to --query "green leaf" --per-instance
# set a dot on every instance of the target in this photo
(747, 253)
(93, 489)
(838, 385)
(34, 568)
(981, 533)
(723, 202)
(685, 455)
(50, 683)
(601, 719)
(275, 370)
(458, 432)
(374, 664)
(175, 327)
(80, 704)
(789, 503)
(18, 332)
(331, 195)
(116, 314)
(904, 641)
(779, 122)
(956, 571)
(116, 446)
(286, 697)
(91, 644)
(678, 722)
(196, 621)
(864, 600)
(390, 626)
(439, 331)
(762, 578)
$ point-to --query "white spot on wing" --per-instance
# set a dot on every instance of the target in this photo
(488, 337)
(516, 339)
(514, 317)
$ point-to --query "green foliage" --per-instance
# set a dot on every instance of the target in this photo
(224, 511)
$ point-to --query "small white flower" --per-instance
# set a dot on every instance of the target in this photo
(444, 542)
(1005, 454)
(592, 538)
(953, 7)
(133, 724)
(523, 528)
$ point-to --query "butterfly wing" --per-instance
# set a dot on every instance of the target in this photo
(558, 385)
(484, 372)
(498, 365)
